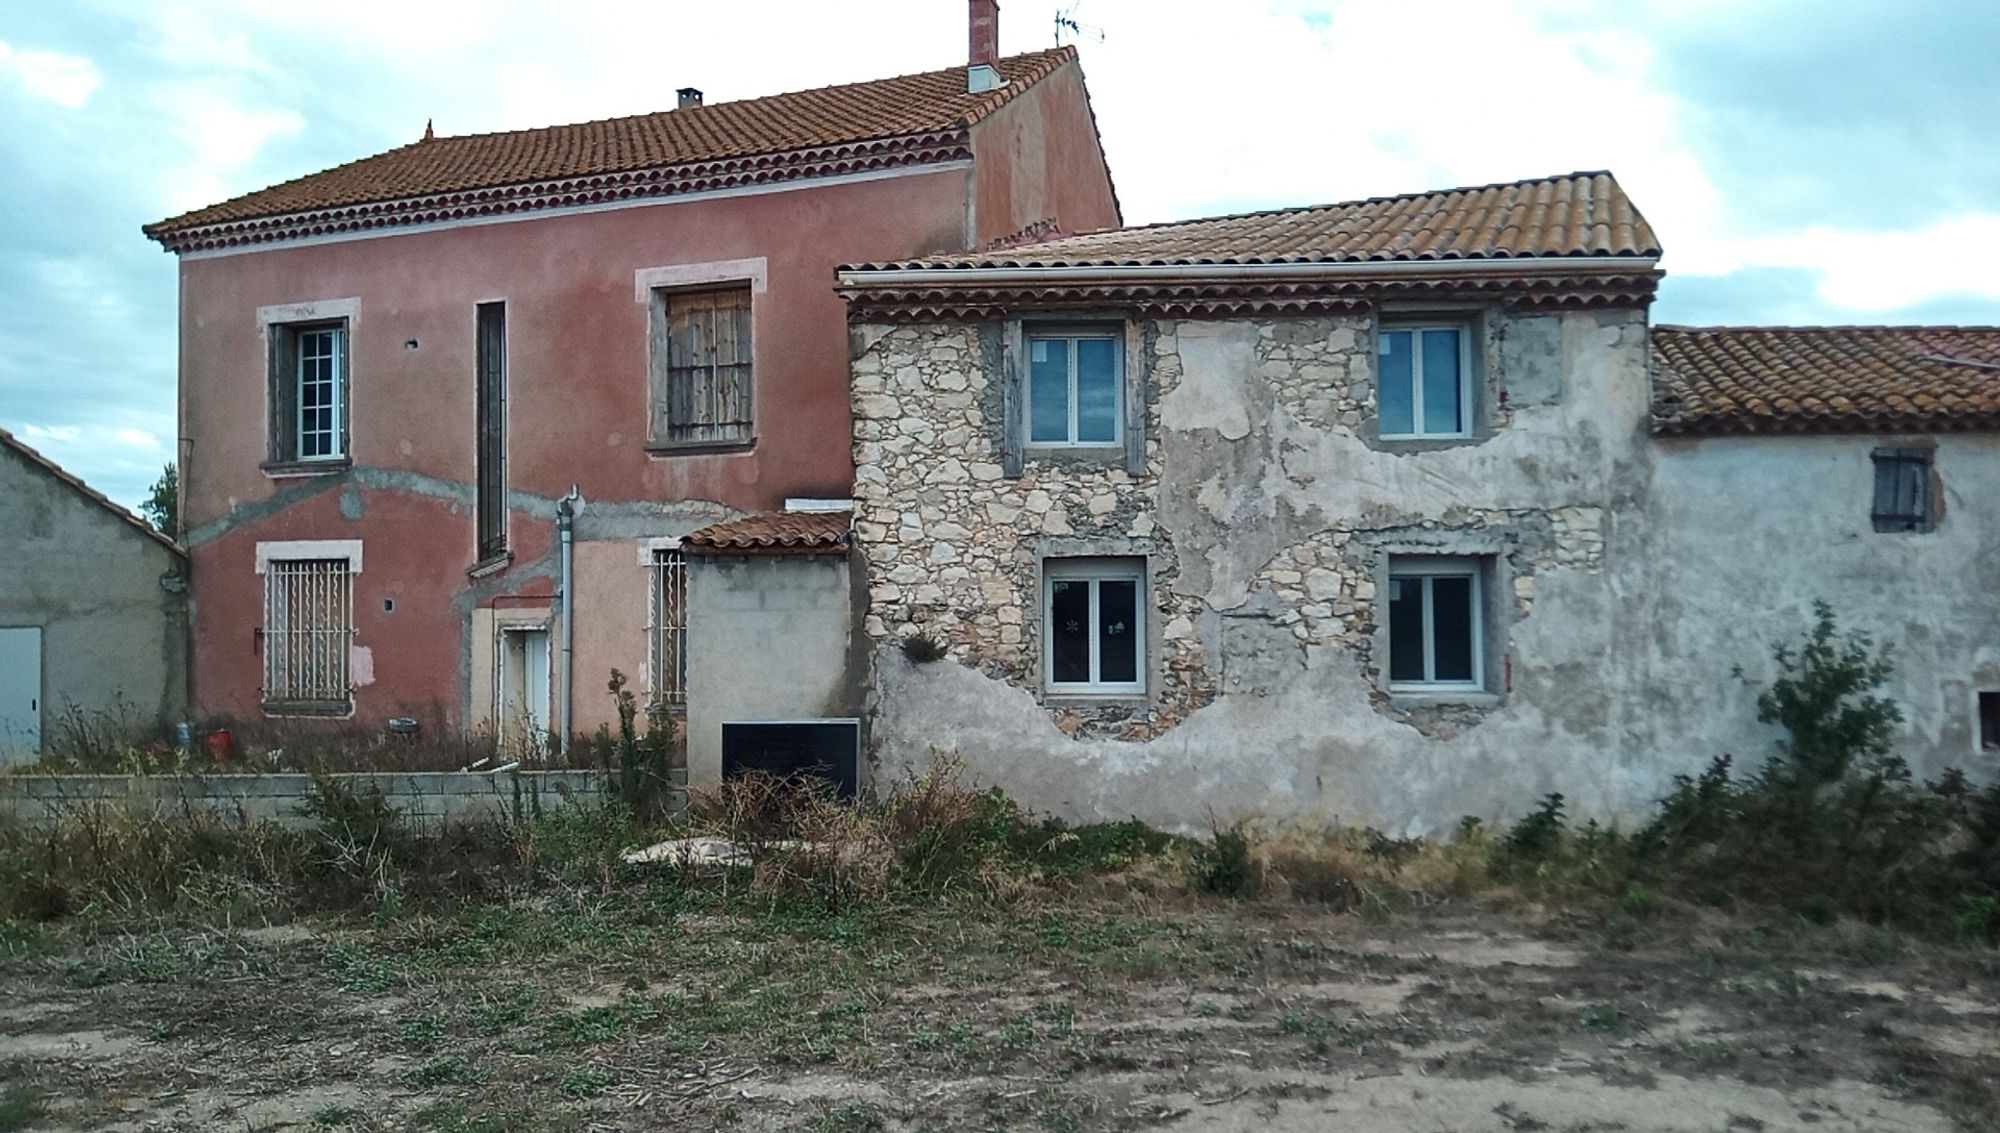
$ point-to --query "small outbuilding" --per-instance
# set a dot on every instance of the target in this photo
(93, 618)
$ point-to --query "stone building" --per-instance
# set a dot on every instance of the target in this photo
(1392, 511)
(92, 614)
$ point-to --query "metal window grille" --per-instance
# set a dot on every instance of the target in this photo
(308, 626)
(319, 408)
(667, 629)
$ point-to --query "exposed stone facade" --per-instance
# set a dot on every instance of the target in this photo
(954, 547)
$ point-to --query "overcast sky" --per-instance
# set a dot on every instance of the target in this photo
(1802, 160)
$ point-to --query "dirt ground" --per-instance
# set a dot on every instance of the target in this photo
(1079, 1013)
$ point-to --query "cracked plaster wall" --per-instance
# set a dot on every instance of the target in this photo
(1624, 585)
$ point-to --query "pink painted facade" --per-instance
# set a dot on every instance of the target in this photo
(574, 285)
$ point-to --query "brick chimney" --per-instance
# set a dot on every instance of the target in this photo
(981, 73)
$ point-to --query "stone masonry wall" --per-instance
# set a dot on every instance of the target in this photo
(953, 548)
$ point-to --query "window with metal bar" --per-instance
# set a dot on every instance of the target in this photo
(702, 372)
(1436, 638)
(667, 631)
(308, 628)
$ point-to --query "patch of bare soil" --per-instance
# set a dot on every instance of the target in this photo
(1086, 1016)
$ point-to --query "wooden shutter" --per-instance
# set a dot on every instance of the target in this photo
(1134, 360)
(708, 375)
(1013, 399)
(284, 395)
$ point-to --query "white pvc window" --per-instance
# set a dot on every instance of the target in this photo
(308, 627)
(320, 412)
(667, 630)
(1436, 624)
(1094, 625)
(1424, 381)
(1075, 389)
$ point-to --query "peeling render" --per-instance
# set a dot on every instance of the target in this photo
(1627, 577)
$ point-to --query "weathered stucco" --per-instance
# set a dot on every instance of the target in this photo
(114, 638)
(770, 639)
(1627, 576)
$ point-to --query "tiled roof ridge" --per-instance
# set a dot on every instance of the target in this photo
(1323, 206)
(979, 110)
(1022, 72)
(34, 457)
(1843, 328)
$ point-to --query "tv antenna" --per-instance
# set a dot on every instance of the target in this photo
(1067, 24)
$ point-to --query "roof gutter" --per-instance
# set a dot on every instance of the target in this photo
(1173, 273)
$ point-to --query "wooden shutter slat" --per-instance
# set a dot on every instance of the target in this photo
(1133, 378)
(1013, 364)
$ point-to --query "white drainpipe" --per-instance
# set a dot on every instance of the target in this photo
(565, 524)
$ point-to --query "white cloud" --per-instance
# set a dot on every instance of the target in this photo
(66, 80)
(135, 438)
(51, 434)
(221, 134)
(1878, 272)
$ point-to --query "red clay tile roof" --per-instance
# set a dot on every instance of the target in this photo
(1576, 214)
(774, 533)
(1825, 379)
(9, 440)
(858, 126)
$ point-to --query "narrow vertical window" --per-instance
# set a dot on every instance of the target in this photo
(668, 633)
(1094, 612)
(308, 626)
(1423, 386)
(1903, 496)
(1435, 637)
(1989, 721)
(702, 372)
(492, 430)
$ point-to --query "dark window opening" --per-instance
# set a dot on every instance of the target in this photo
(1989, 721)
(826, 750)
(1903, 496)
(1435, 636)
(492, 425)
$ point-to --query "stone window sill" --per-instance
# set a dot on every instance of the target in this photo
(319, 708)
(493, 564)
(1095, 700)
(659, 449)
(287, 469)
(1407, 699)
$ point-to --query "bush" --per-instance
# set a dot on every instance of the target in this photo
(924, 648)
(1222, 865)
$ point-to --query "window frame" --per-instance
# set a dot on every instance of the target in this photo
(1415, 327)
(1889, 460)
(1095, 570)
(1428, 568)
(491, 515)
(285, 387)
(659, 364)
(1072, 333)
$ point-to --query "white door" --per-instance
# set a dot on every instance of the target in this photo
(20, 694)
(524, 689)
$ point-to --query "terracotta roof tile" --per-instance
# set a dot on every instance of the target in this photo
(929, 103)
(9, 440)
(1576, 214)
(774, 533)
(1825, 379)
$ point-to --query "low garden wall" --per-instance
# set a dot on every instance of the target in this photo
(420, 795)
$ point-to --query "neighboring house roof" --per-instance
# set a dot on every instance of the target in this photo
(774, 533)
(1575, 214)
(1825, 379)
(9, 440)
(858, 127)
(1572, 242)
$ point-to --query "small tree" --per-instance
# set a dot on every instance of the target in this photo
(163, 508)
(1827, 698)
